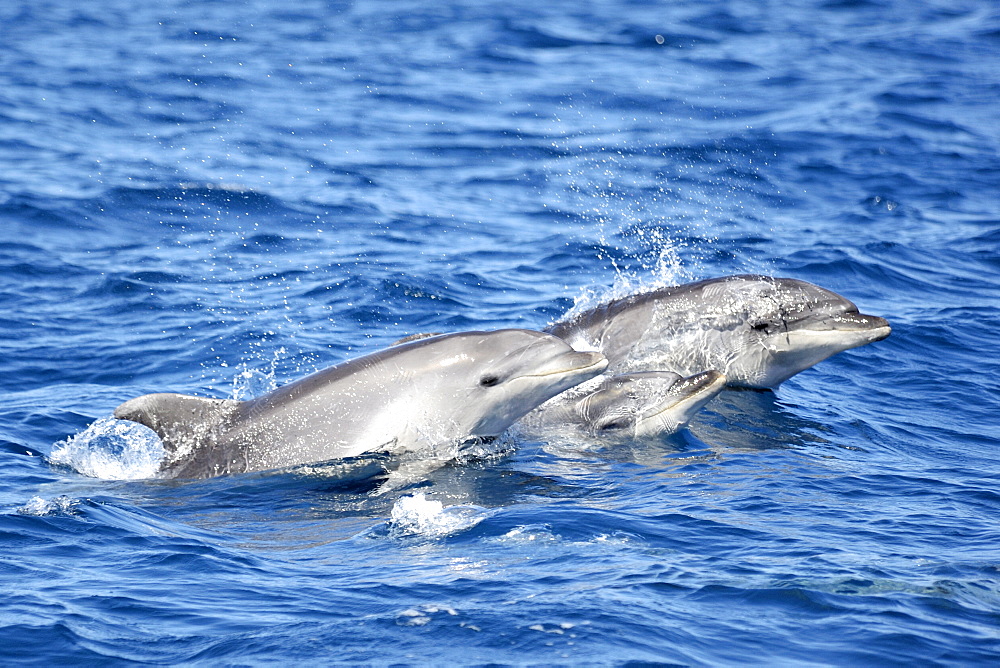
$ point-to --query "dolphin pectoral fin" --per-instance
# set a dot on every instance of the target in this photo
(181, 421)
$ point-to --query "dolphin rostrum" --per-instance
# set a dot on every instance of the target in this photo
(645, 404)
(432, 391)
(757, 330)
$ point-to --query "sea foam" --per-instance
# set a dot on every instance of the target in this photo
(112, 449)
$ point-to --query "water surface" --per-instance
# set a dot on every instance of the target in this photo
(218, 198)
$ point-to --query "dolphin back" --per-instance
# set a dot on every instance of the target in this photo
(184, 423)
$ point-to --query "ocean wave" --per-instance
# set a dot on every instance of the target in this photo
(218, 199)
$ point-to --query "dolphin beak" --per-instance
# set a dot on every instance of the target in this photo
(686, 398)
(582, 362)
(697, 389)
(702, 382)
(588, 363)
(879, 327)
(875, 327)
(586, 360)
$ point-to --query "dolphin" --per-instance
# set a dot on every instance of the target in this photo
(646, 404)
(437, 390)
(757, 330)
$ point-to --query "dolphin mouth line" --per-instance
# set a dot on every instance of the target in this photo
(693, 394)
(666, 407)
(679, 403)
(878, 332)
(599, 364)
(849, 322)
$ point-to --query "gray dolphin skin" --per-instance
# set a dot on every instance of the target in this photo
(431, 391)
(757, 330)
(647, 404)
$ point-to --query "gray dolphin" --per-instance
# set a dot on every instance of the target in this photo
(432, 391)
(628, 406)
(757, 330)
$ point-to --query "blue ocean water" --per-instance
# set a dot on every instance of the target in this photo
(220, 197)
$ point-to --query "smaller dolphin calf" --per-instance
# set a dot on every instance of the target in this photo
(757, 330)
(639, 405)
(427, 392)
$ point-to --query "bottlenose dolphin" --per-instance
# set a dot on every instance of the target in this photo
(628, 406)
(757, 330)
(436, 390)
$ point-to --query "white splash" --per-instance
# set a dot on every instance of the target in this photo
(649, 237)
(665, 269)
(249, 381)
(112, 449)
(421, 615)
(533, 533)
(416, 465)
(61, 505)
(418, 515)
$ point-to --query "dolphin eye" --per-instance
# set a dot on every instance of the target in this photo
(489, 380)
(608, 426)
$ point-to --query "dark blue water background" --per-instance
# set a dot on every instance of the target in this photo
(218, 197)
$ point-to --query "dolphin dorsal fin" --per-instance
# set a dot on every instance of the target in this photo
(414, 337)
(181, 421)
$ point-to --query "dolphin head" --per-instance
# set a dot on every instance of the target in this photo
(783, 326)
(491, 379)
(757, 330)
(648, 403)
